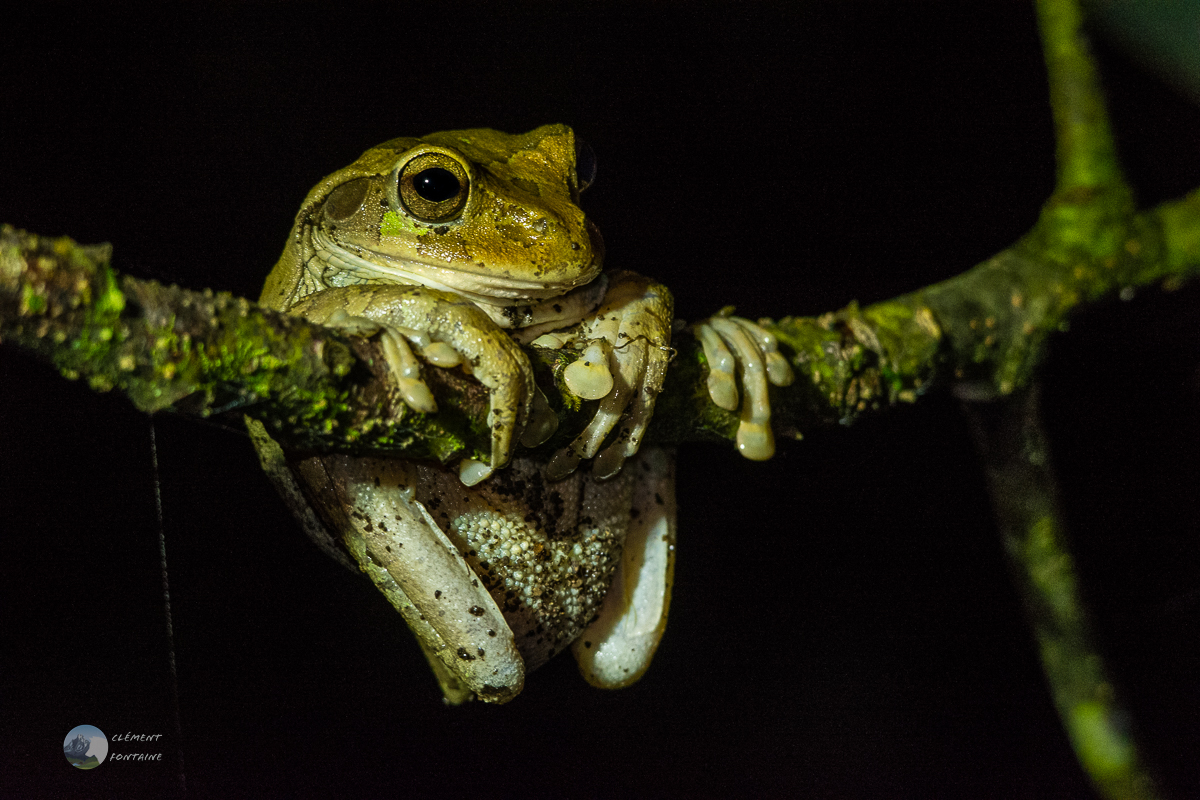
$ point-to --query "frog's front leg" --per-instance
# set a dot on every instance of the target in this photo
(449, 331)
(624, 362)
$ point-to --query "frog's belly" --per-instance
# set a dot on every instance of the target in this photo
(545, 551)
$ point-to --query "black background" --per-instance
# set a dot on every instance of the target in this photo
(843, 624)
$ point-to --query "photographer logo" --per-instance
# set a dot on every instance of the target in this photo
(85, 747)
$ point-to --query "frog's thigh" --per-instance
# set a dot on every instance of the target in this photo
(616, 648)
(394, 531)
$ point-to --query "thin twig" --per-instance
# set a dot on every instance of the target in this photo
(1021, 482)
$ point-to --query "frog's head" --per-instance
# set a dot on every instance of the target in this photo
(488, 215)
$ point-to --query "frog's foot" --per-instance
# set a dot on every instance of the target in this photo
(541, 424)
(731, 342)
(488, 354)
(623, 364)
(402, 363)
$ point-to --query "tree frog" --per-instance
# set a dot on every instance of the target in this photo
(455, 249)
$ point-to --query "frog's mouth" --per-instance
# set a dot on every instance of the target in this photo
(349, 266)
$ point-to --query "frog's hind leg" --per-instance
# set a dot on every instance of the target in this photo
(616, 648)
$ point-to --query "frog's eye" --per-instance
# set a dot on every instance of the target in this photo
(433, 187)
(585, 164)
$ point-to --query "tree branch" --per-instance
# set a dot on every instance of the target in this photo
(1087, 154)
(1021, 482)
(205, 354)
(984, 331)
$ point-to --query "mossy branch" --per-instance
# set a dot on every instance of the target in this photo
(1087, 224)
(982, 332)
(1020, 476)
(206, 354)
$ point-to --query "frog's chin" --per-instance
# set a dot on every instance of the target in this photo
(342, 266)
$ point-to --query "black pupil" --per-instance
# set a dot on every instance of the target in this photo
(436, 184)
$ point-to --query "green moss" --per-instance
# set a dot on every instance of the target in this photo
(109, 300)
(32, 303)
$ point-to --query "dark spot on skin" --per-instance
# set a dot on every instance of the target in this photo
(634, 513)
(574, 245)
(491, 632)
(476, 611)
(658, 498)
(441, 230)
(508, 486)
(587, 645)
(376, 481)
(479, 651)
(464, 655)
(437, 595)
(557, 308)
(475, 583)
